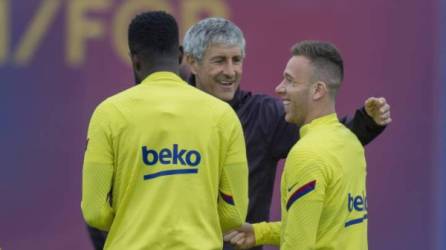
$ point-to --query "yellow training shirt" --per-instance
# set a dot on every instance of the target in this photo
(323, 192)
(165, 168)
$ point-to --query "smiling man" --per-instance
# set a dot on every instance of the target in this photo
(214, 74)
(215, 50)
(323, 186)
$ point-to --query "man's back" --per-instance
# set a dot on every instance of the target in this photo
(330, 195)
(172, 147)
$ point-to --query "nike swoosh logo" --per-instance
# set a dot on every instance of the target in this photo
(292, 186)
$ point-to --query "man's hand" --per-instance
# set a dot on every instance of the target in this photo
(242, 238)
(378, 109)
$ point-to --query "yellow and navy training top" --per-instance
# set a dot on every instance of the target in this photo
(165, 168)
(323, 192)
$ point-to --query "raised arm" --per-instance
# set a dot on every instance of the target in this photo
(370, 120)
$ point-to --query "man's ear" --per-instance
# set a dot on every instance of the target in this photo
(136, 63)
(180, 55)
(319, 90)
(193, 63)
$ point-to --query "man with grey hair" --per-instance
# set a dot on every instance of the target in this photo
(214, 51)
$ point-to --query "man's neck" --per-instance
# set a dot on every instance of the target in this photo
(160, 64)
(320, 111)
(157, 67)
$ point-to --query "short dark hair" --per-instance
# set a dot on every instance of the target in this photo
(153, 32)
(326, 59)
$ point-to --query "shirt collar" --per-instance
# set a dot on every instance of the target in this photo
(239, 97)
(323, 120)
(161, 75)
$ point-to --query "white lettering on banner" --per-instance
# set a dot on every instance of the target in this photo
(36, 30)
(4, 25)
(83, 24)
(80, 28)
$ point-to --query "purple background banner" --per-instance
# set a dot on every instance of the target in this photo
(60, 58)
(440, 165)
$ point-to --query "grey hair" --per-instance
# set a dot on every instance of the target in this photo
(210, 31)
